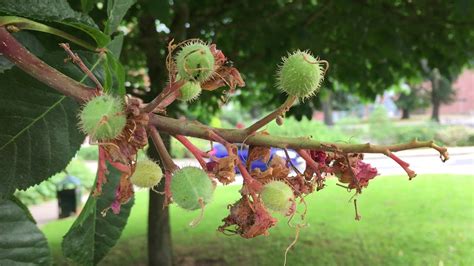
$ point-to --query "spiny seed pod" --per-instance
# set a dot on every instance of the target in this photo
(278, 196)
(103, 117)
(147, 174)
(190, 91)
(300, 75)
(195, 62)
(191, 188)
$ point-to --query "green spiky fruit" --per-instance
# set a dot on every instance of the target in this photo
(103, 117)
(300, 75)
(195, 62)
(190, 91)
(147, 174)
(277, 196)
(190, 185)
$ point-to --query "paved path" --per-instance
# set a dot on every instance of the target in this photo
(422, 161)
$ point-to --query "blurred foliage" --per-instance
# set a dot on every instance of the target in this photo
(456, 136)
(307, 128)
(88, 153)
(366, 56)
(46, 190)
(179, 151)
(381, 129)
(411, 98)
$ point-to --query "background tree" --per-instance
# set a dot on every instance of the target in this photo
(411, 97)
(442, 91)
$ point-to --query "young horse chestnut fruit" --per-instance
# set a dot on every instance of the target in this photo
(103, 117)
(278, 196)
(300, 75)
(190, 91)
(191, 188)
(195, 62)
(147, 174)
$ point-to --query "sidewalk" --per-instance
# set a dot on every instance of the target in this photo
(422, 161)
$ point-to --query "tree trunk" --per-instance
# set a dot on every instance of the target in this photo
(435, 111)
(327, 108)
(405, 113)
(159, 235)
(435, 97)
(160, 250)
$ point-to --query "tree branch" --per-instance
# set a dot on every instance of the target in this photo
(168, 163)
(188, 128)
(28, 62)
(271, 116)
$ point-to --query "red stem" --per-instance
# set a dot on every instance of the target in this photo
(198, 154)
(309, 161)
(165, 98)
(15, 52)
(403, 164)
(248, 180)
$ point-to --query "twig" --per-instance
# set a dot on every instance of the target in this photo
(351, 171)
(165, 98)
(78, 61)
(357, 216)
(271, 116)
(288, 160)
(168, 163)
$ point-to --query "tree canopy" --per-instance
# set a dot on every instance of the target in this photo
(370, 45)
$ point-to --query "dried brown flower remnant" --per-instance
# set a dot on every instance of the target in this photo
(225, 73)
(250, 219)
(224, 171)
(134, 137)
(257, 153)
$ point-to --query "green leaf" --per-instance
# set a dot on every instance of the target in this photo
(100, 38)
(116, 10)
(115, 46)
(88, 5)
(55, 11)
(45, 10)
(42, 136)
(92, 235)
(39, 134)
(114, 67)
(21, 242)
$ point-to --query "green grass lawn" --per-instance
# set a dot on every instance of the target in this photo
(426, 221)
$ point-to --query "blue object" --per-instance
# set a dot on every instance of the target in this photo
(220, 151)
